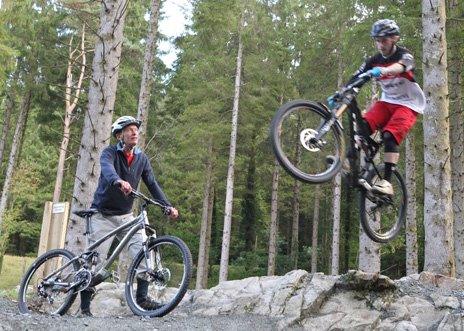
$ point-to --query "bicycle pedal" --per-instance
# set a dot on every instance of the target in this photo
(115, 277)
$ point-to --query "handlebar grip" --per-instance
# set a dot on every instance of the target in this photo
(167, 210)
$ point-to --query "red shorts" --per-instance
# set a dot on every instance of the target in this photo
(396, 119)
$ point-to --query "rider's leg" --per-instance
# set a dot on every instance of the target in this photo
(391, 159)
(100, 225)
(142, 298)
(141, 294)
(395, 130)
(392, 154)
(86, 298)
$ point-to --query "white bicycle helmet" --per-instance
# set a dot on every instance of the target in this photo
(122, 122)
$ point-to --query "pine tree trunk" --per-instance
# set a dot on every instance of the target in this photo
(70, 105)
(454, 36)
(296, 211)
(348, 227)
(97, 122)
(336, 224)
(202, 256)
(204, 284)
(295, 223)
(14, 156)
(223, 270)
(314, 245)
(6, 125)
(369, 251)
(273, 227)
(337, 194)
(147, 73)
(411, 223)
(438, 212)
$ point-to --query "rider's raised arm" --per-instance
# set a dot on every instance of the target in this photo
(149, 179)
(366, 66)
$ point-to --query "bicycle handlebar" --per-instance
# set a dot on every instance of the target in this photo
(360, 81)
(140, 195)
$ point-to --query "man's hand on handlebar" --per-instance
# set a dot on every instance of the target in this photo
(172, 212)
(124, 186)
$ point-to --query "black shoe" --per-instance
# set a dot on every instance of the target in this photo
(148, 304)
(86, 313)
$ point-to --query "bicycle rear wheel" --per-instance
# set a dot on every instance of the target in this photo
(382, 217)
(293, 129)
(43, 288)
(168, 276)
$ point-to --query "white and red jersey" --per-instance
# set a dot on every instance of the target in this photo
(400, 89)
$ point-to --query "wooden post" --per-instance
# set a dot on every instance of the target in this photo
(54, 225)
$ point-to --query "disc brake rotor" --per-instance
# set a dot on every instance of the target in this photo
(305, 138)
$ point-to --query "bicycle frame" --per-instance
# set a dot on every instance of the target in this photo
(365, 142)
(139, 222)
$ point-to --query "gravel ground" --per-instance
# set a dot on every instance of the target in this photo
(10, 319)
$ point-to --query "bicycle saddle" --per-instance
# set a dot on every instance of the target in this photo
(85, 213)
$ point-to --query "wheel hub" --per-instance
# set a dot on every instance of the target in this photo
(308, 141)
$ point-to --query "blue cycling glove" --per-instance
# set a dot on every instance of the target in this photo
(331, 102)
(375, 72)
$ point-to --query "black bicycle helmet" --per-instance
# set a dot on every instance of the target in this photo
(385, 28)
(122, 122)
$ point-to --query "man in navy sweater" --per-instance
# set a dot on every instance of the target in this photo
(122, 167)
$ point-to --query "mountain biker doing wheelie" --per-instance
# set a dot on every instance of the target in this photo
(401, 100)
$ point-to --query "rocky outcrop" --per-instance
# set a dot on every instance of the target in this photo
(353, 301)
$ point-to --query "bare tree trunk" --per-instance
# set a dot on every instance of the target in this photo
(369, 251)
(71, 99)
(454, 36)
(205, 220)
(438, 212)
(14, 154)
(147, 73)
(314, 245)
(224, 265)
(6, 124)
(337, 195)
(144, 104)
(208, 238)
(97, 122)
(273, 228)
(295, 224)
(411, 223)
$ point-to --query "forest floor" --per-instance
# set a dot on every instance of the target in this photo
(11, 319)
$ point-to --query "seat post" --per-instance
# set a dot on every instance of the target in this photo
(87, 230)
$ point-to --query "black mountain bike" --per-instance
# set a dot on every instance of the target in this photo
(307, 138)
(53, 281)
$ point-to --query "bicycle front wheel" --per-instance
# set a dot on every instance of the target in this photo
(382, 217)
(44, 288)
(293, 131)
(167, 275)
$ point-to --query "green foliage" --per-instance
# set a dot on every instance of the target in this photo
(13, 269)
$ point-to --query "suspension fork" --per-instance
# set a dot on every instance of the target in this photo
(149, 256)
(327, 125)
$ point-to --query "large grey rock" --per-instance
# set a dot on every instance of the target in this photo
(354, 301)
